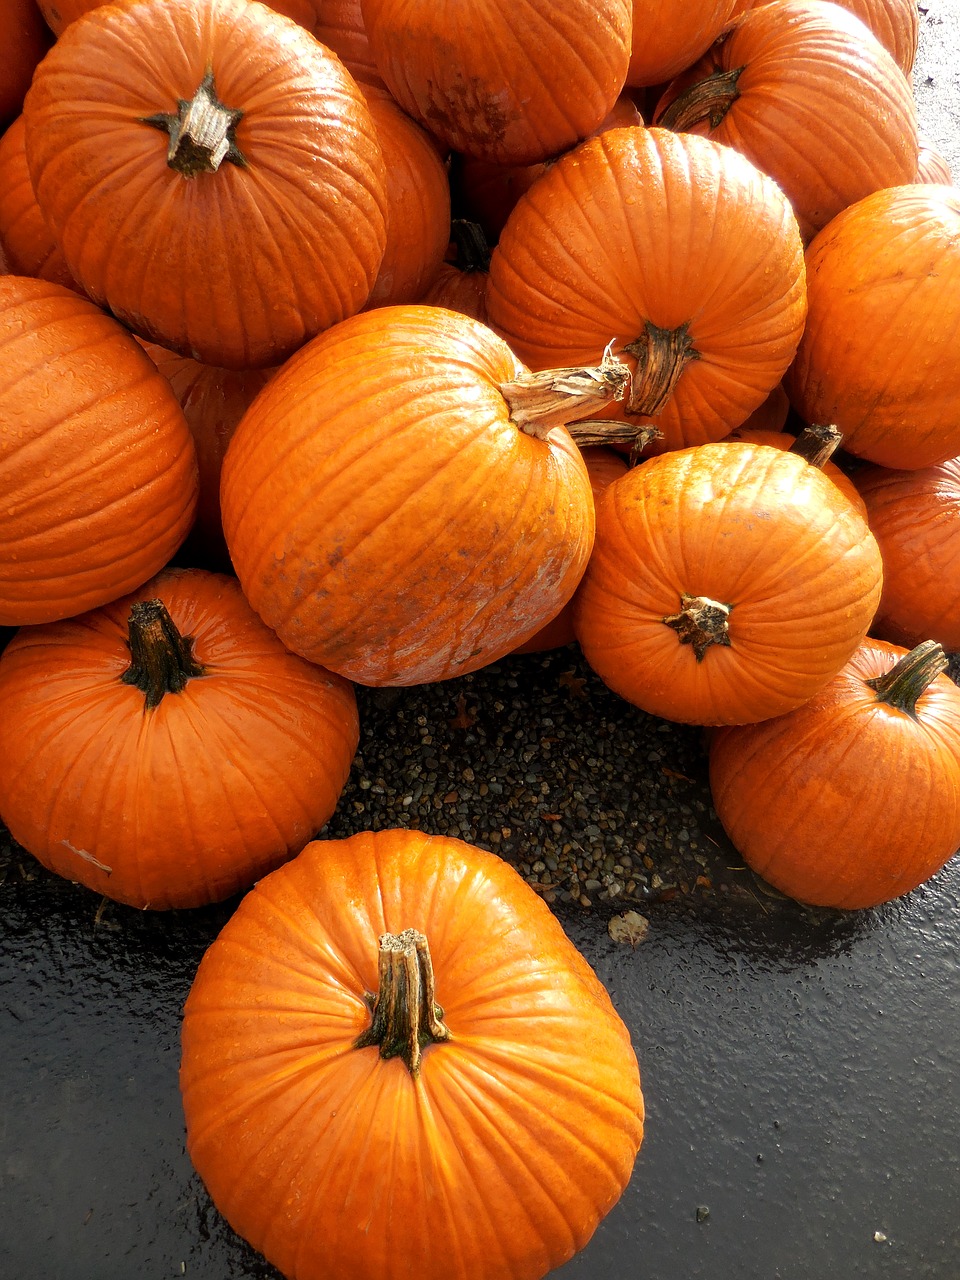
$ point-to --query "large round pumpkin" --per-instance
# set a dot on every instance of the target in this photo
(509, 84)
(98, 470)
(853, 798)
(212, 174)
(728, 583)
(677, 250)
(880, 354)
(387, 513)
(807, 91)
(166, 750)
(895, 23)
(396, 1064)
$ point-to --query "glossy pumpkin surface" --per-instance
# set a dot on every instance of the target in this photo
(848, 801)
(187, 801)
(676, 249)
(385, 514)
(728, 584)
(495, 1161)
(232, 254)
(97, 466)
(880, 354)
(668, 35)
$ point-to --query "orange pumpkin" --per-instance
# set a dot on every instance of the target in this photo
(418, 204)
(880, 354)
(895, 23)
(854, 798)
(60, 13)
(211, 173)
(97, 467)
(401, 503)
(26, 241)
(808, 93)
(807, 448)
(677, 249)
(915, 517)
(340, 27)
(213, 402)
(728, 583)
(668, 35)
(166, 750)
(395, 1063)
(550, 75)
(461, 282)
(931, 165)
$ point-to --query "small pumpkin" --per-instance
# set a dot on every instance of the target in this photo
(880, 353)
(510, 85)
(461, 282)
(853, 798)
(931, 165)
(98, 470)
(213, 143)
(680, 251)
(915, 517)
(166, 750)
(395, 1063)
(728, 583)
(808, 93)
(402, 503)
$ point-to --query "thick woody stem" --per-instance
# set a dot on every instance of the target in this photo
(161, 659)
(817, 443)
(661, 355)
(202, 132)
(708, 99)
(902, 685)
(538, 402)
(406, 1016)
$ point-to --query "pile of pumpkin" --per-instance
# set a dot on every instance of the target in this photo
(250, 320)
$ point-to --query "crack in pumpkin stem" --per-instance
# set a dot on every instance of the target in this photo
(202, 132)
(709, 99)
(817, 443)
(902, 685)
(406, 1016)
(701, 622)
(661, 356)
(161, 659)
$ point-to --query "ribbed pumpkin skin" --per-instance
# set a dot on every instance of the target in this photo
(748, 526)
(821, 106)
(26, 241)
(671, 34)
(931, 165)
(190, 801)
(512, 85)
(384, 514)
(846, 802)
(915, 517)
(784, 440)
(880, 354)
(895, 23)
(213, 402)
(641, 226)
(340, 27)
(418, 204)
(496, 1163)
(97, 467)
(284, 246)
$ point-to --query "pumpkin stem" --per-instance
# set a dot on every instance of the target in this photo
(708, 99)
(538, 402)
(161, 659)
(661, 355)
(701, 622)
(817, 443)
(202, 132)
(902, 685)
(406, 1016)
(473, 250)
